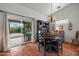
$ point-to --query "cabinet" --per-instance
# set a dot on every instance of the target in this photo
(42, 27)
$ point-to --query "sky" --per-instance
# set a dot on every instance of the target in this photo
(13, 24)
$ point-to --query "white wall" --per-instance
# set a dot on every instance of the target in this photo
(71, 13)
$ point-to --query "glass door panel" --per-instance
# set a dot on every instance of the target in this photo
(27, 31)
(14, 31)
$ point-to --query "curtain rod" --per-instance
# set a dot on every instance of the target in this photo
(16, 14)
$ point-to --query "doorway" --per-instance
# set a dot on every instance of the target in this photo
(60, 27)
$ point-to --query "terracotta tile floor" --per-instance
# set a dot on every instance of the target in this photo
(31, 49)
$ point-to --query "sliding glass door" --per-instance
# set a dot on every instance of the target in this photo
(19, 30)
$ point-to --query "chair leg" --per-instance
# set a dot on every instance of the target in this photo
(61, 48)
(44, 53)
(58, 50)
(44, 50)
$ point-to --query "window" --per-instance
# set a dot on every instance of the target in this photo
(61, 21)
(27, 28)
(15, 26)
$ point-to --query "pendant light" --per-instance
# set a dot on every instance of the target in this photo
(50, 19)
(51, 14)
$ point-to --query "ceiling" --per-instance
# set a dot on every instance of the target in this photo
(45, 8)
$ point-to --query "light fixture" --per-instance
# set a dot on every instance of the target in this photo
(50, 18)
